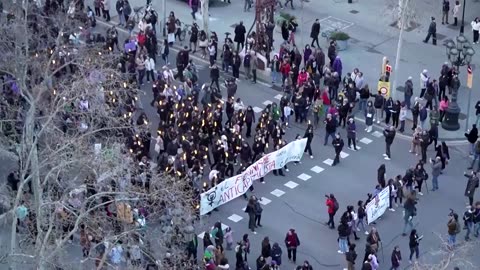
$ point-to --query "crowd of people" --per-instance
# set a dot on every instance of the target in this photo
(205, 137)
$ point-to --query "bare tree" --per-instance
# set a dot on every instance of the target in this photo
(69, 118)
(445, 258)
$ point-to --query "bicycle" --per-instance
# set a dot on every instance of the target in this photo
(187, 28)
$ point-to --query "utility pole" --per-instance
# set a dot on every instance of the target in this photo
(205, 16)
(403, 23)
(164, 22)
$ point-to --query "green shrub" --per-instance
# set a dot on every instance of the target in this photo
(339, 36)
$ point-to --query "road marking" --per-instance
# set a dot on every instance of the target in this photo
(328, 161)
(366, 140)
(377, 134)
(257, 109)
(277, 193)
(279, 96)
(344, 155)
(267, 102)
(317, 169)
(304, 176)
(291, 184)
(235, 218)
(202, 234)
(265, 201)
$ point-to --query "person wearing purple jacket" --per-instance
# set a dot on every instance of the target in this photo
(337, 65)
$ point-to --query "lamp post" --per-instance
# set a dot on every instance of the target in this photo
(459, 54)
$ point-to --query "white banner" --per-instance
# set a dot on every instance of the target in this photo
(236, 186)
(378, 205)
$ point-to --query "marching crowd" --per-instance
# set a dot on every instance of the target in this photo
(205, 137)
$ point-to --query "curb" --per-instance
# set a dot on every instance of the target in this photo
(451, 141)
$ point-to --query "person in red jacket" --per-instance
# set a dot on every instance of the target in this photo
(292, 242)
(332, 206)
(285, 70)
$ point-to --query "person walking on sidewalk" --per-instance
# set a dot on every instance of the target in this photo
(389, 134)
(292, 242)
(119, 8)
(432, 32)
(476, 29)
(472, 185)
(445, 10)
(315, 32)
(240, 35)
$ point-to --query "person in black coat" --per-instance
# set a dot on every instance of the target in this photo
(472, 137)
(389, 134)
(309, 136)
(285, 32)
(332, 51)
(240, 35)
(338, 146)
(315, 32)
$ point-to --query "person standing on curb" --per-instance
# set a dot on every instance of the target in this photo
(389, 134)
(472, 185)
(445, 10)
(315, 32)
(408, 92)
(119, 8)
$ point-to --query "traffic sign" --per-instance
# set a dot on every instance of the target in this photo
(384, 89)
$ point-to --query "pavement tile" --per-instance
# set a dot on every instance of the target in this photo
(328, 161)
(235, 218)
(304, 176)
(366, 140)
(257, 109)
(277, 193)
(377, 134)
(317, 169)
(344, 155)
(267, 102)
(279, 96)
(265, 201)
(291, 184)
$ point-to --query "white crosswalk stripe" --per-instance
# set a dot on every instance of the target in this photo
(366, 140)
(265, 201)
(377, 134)
(328, 161)
(277, 193)
(344, 155)
(317, 169)
(235, 218)
(257, 109)
(304, 176)
(291, 184)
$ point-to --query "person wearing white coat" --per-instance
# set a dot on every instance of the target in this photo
(150, 67)
(106, 9)
(476, 29)
(403, 117)
(455, 11)
(423, 82)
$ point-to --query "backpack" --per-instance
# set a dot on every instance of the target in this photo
(458, 228)
(246, 60)
(335, 205)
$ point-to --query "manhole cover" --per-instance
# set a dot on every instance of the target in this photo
(354, 11)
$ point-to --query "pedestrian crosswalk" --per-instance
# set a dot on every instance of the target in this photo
(291, 184)
(304, 176)
(277, 193)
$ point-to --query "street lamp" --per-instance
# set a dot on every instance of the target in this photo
(459, 54)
